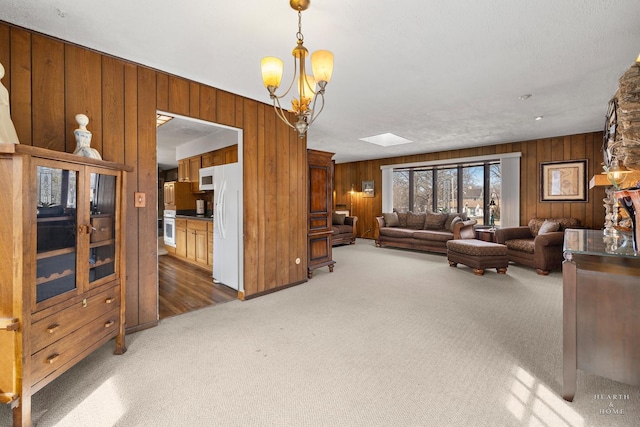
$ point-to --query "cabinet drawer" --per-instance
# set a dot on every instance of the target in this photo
(61, 352)
(102, 228)
(181, 223)
(197, 225)
(55, 327)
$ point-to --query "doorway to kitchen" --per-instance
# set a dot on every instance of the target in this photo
(184, 285)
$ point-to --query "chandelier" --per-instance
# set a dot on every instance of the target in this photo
(310, 88)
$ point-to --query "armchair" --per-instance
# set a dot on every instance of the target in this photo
(538, 244)
(343, 229)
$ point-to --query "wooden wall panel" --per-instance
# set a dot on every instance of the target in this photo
(253, 202)
(571, 147)
(113, 112)
(148, 217)
(162, 92)
(194, 100)
(208, 101)
(83, 94)
(131, 158)
(178, 96)
(48, 113)
(225, 108)
(20, 88)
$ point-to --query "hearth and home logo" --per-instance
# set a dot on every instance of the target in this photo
(615, 405)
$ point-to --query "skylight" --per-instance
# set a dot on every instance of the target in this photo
(386, 140)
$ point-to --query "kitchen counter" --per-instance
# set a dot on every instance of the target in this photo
(191, 214)
(197, 217)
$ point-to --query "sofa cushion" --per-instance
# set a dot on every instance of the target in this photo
(391, 219)
(396, 232)
(402, 219)
(536, 223)
(433, 235)
(415, 221)
(521, 245)
(339, 229)
(451, 217)
(548, 227)
(454, 221)
(567, 223)
(434, 220)
(337, 218)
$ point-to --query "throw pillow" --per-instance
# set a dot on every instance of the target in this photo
(451, 217)
(415, 221)
(548, 227)
(402, 217)
(434, 221)
(391, 219)
(455, 220)
(338, 219)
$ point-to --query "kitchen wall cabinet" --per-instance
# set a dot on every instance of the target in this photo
(195, 163)
(183, 170)
(62, 281)
(178, 196)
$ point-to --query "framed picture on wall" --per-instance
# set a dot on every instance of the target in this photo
(367, 189)
(564, 181)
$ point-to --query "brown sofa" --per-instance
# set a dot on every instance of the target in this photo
(343, 229)
(538, 244)
(422, 231)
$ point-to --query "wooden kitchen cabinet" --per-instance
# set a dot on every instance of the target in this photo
(181, 238)
(183, 170)
(210, 244)
(178, 196)
(62, 281)
(192, 241)
(195, 163)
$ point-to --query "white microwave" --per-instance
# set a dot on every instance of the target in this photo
(206, 178)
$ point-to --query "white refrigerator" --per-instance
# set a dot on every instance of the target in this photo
(227, 218)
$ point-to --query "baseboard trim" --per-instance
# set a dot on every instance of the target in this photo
(270, 291)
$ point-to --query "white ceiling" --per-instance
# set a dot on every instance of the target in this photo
(443, 74)
(190, 134)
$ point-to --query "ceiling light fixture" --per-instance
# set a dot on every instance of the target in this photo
(162, 119)
(538, 118)
(309, 87)
(525, 97)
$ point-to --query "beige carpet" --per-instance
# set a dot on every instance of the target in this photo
(390, 338)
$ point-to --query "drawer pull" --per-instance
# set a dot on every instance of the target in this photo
(109, 324)
(51, 329)
(109, 300)
(51, 359)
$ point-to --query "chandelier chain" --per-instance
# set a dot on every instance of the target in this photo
(299, 35)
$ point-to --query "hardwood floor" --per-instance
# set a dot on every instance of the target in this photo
(183, 288)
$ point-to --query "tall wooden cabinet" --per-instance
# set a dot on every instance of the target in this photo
(62, 287)
(319, 215)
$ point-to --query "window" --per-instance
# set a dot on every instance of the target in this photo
(465, 187)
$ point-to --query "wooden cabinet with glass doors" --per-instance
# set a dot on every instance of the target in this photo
(63, 294)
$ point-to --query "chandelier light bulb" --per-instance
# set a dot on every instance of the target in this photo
(272, 69)
(322, 65)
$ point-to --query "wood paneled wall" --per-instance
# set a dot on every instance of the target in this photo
(50, 81)
(571, 147)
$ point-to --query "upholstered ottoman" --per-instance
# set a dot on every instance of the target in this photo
(478, 255)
